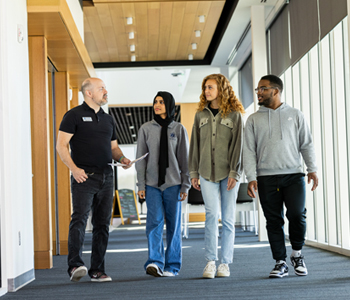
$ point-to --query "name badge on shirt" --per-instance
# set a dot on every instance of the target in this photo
(87, 119)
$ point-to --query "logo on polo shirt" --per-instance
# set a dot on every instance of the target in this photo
(87, 119)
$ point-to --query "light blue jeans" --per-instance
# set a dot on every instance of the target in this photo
(212, 193)
(159, 205)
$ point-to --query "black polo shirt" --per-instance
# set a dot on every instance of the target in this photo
(92, 135)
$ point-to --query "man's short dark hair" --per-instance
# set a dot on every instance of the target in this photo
(275, 81)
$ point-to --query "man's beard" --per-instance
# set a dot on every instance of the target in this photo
(265, 102)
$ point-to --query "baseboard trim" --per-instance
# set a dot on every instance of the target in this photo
(14, 284)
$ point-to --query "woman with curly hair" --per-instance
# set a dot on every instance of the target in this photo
(216, 160)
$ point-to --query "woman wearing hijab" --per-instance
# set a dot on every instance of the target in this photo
(163, 180)
(216, 159)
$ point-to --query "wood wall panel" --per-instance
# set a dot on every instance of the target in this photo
(188, 110)
(53, 19)
(40, 151)
(63, 173)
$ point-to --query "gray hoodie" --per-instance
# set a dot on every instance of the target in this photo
(147, 169)
(275, 140)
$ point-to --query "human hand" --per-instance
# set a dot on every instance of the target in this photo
(141, 194)
(312, 176)
(231, 183)
(252, 188)
(79, 175)
(126, 161)
(194, 182)
(183, 196)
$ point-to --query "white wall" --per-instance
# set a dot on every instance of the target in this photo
(78, 15)
(139, 86)
(16, 213)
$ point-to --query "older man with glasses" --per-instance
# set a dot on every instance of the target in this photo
(276, 137)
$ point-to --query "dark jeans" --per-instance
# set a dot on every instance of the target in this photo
(273, 192)
(95, 194)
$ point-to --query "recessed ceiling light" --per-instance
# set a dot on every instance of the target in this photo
(129, 20)
(131, 127)
(194, 46)
(133, 57)
(133, 135)
(201, 19)
(131, 35)
(132, 48)
(198, 33)
(190, 57)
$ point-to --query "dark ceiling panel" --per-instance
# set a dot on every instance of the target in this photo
(129, 120)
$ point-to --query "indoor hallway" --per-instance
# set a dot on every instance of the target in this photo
(329, 275)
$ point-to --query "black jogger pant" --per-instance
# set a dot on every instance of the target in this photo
(274, 191)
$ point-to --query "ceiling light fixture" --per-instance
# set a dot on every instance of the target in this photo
(133, 135)
(129, 20)
(131, 127)
(131, 35)
(190, 57)
(132, 48)
(194, 46)
(201, 19)
(198, 33)
(133, 57)
(128, 114)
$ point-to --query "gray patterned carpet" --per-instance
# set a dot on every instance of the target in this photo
(329, 274)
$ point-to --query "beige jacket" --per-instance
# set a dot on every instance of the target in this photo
(216, 146)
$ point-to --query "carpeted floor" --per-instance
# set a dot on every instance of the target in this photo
(329, 275)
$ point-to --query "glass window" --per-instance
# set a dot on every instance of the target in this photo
(327, 121)
(315, 105)
(340, 138)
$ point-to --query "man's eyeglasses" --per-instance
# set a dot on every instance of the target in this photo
(263, 88)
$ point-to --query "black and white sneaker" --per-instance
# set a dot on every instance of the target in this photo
(154, 270)
(299, 265)
(280, 270)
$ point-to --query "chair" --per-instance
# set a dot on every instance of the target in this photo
(194, 198)
(243, 198)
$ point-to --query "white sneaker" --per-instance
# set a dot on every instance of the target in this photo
(168, 274)
(154, 270)
(209, 270)
(223, 270)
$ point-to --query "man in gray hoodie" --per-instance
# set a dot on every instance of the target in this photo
(275, 138)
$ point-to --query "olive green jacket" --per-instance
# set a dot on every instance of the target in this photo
(216, 146)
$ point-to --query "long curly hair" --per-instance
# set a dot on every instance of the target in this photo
(227, 99)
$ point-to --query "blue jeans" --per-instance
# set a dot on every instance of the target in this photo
(159, 205)
(212, 192)
(274, 191)
(95, 194)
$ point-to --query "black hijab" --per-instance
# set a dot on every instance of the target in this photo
(163, 162)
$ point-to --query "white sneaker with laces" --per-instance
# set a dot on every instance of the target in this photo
(223, 271)
(209, 270)
(168, 274)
